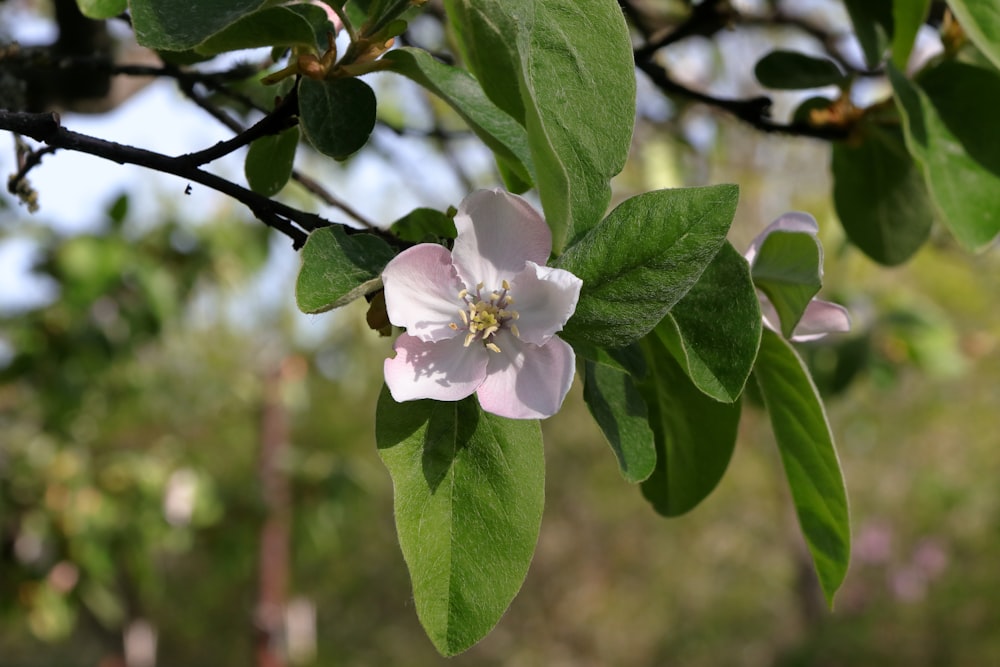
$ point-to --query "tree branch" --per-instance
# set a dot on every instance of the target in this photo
(47, 128)
(706, 19)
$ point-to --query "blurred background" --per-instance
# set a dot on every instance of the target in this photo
(186, 460)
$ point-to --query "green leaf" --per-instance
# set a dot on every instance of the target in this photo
(274, 26)
(956, 144)
(981, 22)
(270, 160)
(338, 267)
(714, 331)
(101, 9)
(176, 25)
(809, 458)
(880, 196)
(641, 259)
(695, 435)
(788, 269)
(619, 410)
(563, 69)
(468, 495)
(907, 17)
(791, 70)
(424, 224)
(872, 21)
(337, 116)
(505, 137)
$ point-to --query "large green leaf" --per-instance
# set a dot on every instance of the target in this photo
(981, 21)
(880, 195)
(642, 258)
(337, 116)
(791, 70)
(621, 413)
(468, 494)
(809, 458)
(695, 435)
(101, 9)
(270, 161)
(275, 26)
(564, 69)
(788, 269)
(176, 25)
(714, 331)
(505, 136)
(956, 144)
(338, 267)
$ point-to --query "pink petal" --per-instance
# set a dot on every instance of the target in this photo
(821, 318)
(794, 221)
(544, 299)
(497, 233)
(444, 371)
(421, 292)
(525, 381)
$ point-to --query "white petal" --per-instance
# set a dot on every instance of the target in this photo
(544, 299)
(444, 371)
(497, 233)
(421, 292)
(821, 318)
(794, 221)
(525, 381)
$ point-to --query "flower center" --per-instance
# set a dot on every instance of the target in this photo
(485, 314)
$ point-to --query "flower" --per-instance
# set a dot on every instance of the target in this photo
(820, 317)
(465, 333)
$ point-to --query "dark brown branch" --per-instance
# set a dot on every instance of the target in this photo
(47, 128)
(706, 19)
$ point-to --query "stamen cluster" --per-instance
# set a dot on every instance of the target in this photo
(482, 319)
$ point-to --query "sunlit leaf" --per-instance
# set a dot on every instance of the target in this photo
(176, 25)
(642, 258)
(338, 267)
(564, 70)
(788, 269)
(468, 493)
(809, 458)
(956, 144)
(714, 331)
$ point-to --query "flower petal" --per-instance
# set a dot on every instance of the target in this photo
(421, 292)
(821, 318)
(795, 221)
(544, 299)
(445, 370)
(526, 381)
(497, 233)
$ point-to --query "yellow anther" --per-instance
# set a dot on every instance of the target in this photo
(504, 284)
(513, 330)
(495, 296)
(468, 339)
(479, 286)
(465, 318)
(492, 347)
(464, 293)
(453, 326)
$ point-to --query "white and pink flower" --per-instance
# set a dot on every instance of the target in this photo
(483, 318)
(820, 317)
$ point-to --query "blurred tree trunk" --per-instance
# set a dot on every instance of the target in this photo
(275, 532)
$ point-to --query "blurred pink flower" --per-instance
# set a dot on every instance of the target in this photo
(465, 333)
(820, 317)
